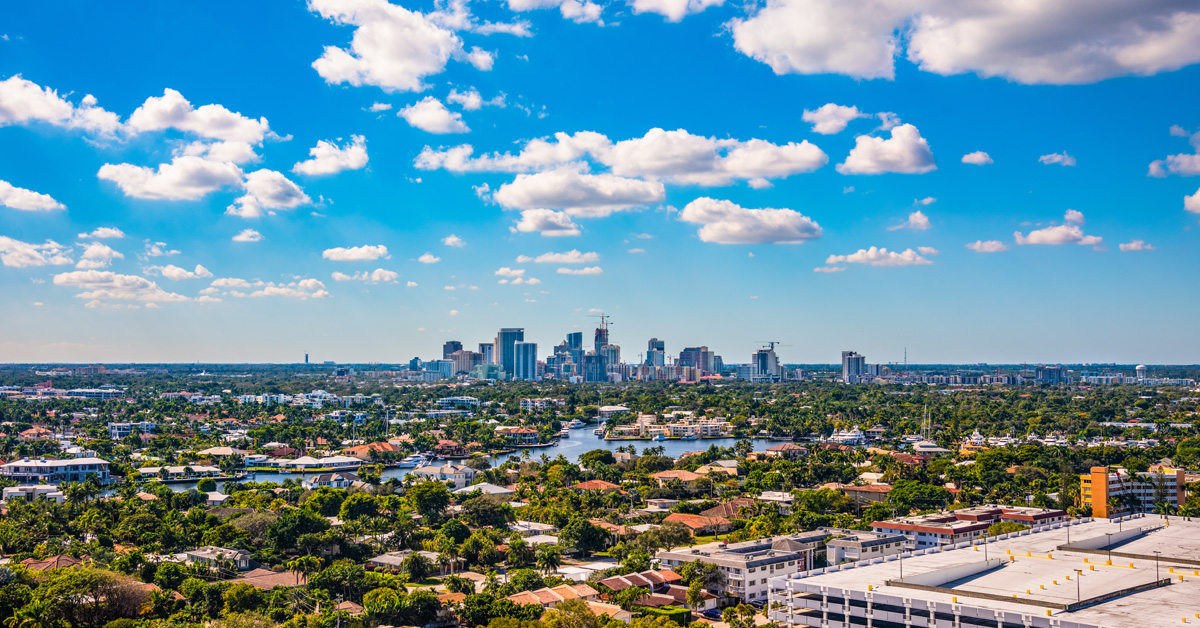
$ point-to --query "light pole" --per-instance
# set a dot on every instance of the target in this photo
(1079, 574)
(1108, 547)
(1156, 565)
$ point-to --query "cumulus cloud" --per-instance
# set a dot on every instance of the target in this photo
(240, 288)
(673, 10)
(267, 190)
(248, 235)
(430, 115)
(14, 197)
(18, 254)
(98, 255)
(470, 100)
(329, 158)
(917, 221)
(379, 275)
(392, 47)
(1058, 158)
(453, 240)
(676, 156)
(904, 152)
(574, 256)
(1136, 245)
(977, 158)
(509, 272)
(1186, 164)
(236, 152)
(1069, 42)
(379, 106)
(547, 222)
(590, 270)
(1192, 203)
(173, 111)
(829, 269)
(159, 249)
(429, 258)
(106, 285)
(1070, 232)
(365, 253)
(725, 222)
(987, 246)
(880, 257)
(578, 193)
(578, 11)
(830, 118)
(104, 233)
(24, 102)
(520, 28)
(175, 273)
(186, 178)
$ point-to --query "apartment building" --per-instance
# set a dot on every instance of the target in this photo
(953, 527)
(1115, 491)
(43, 471)
(850, 546)
(117, 431)
(748, 565)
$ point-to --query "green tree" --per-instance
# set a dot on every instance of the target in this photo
(242, 598)
(429, 498)
(583, 536)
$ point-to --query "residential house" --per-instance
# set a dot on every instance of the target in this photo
(339, 479)
(699, 524)
(460, 475)
(216, 557)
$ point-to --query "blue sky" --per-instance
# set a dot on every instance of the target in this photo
(274, 178)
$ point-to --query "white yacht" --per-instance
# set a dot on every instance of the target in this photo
(565, 432)
(576, 423)
(413, 461)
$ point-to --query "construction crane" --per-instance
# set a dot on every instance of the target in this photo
(772, 343)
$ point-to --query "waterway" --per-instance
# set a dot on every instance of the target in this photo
(582, 440)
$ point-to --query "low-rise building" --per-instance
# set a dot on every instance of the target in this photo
(43, 471)
(31, 492)
(748, 565)
(1115, 491)
(118, 431)
(848, 546)
(953, 527)
(460, 475)
(217, 557)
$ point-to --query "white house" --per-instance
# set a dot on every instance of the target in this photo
(461, 475)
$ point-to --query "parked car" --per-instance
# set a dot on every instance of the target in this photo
(713, 613)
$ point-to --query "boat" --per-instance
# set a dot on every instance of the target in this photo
(689, 437)
(598, 431)
(415, 460)
(659, 436)
(575, 423)
(564, 432)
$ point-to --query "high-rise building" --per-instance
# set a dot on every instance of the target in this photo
(575, 340)
(488, 350)
(505, 338)
(700, 358)
(601, 337)
(656, 344)
(656, 354)
(1053, 375)
(854, 366)
(594, 368)
(450, 347)
(525, 361)
(465, 361)
(764, 366)
(1113, 491)
(612, 355)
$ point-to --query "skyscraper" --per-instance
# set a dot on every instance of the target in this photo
(765, 366)
(525, 361)
(601, 337)
(575, 340)
(594, 368)
(488, 350)
(505, 339)
(449, 348)
(854, 366)
(656, 344)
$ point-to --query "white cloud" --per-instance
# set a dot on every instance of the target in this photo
(26, 200)
(1186, 164)
(379, 106)
(725, 222)
(175, 273)
(173, 111)
(590, 270)
(411, 284)
(673, 10)
(365, 253)
(392, 48)
(905, 152)
(98, 255)
(927, 250)
(267, 190)
(547, 222)
(987, 246)
(928, 200)
(186, 178)
(578, 11)
(23, 102)
(1136, 245)
(520, 28)
(977, 158)
(509, 272)
(429, 258)
(236, 152)
(917, 221)
(379, 275)
(453, 312)
(18, 254)
(104, 233)
(1192, 203)
(677, 156)
(1057, 158)
(301, 289)
(1070, 232)
(577, 193)
(430, 115)
(829, 269)
(453, 240)
(107, 285)
(1067, 42)
(879, 257)
(329, 158)
(470, 100)
(574, 256)
(830, 118)
(248, 235)
(159, 249)
(636, 250)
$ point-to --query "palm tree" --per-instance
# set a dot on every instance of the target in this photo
(549, 558)
(36, 614)
(303, 566)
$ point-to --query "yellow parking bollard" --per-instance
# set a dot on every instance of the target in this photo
(870, 587)
(1109, 563)
(1047, 612)
(1093, 568)
(1056, 582)
(955, 599)
(1043, 586)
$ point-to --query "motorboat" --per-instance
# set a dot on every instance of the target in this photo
(576, 423)
(564, 432)
(659, 436)
(415, 460)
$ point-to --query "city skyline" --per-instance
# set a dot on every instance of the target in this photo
(684, 167)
